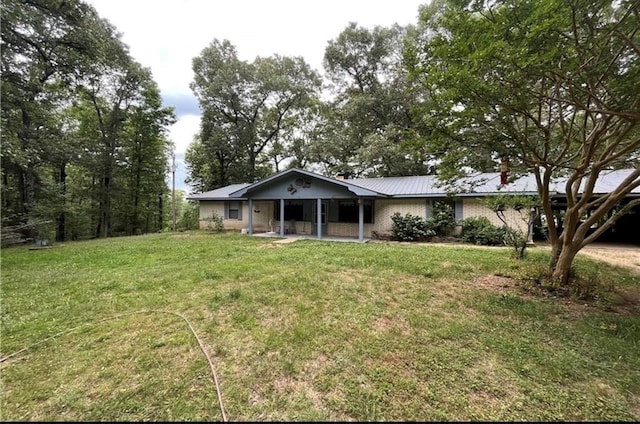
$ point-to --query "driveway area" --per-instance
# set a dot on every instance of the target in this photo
(626, 255)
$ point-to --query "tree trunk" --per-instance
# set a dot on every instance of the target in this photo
(561, 272)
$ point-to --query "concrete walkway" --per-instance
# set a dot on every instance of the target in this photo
(290, 238)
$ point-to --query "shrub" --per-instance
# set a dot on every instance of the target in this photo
(214, 223)
(443, 221)
(479, 230)
(411, 228)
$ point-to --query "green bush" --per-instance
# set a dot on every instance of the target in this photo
(443, 221)
(479, 230)
(214, 223)
(411, 228)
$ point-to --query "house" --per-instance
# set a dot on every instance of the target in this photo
(291, 201)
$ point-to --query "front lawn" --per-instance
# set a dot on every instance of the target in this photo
(309, 330)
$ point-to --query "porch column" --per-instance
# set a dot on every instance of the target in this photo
(319, 217)
(250, 216)
(281, 217)
(360, 220)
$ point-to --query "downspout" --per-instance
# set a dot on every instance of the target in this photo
(319, 217)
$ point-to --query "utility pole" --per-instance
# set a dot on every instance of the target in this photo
(173, 178)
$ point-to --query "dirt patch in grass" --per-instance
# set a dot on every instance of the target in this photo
(623, 300)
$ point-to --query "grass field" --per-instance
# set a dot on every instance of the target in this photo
(309, 330)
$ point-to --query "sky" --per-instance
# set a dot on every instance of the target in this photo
(165, 36)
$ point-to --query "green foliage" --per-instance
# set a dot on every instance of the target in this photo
(551, 85)
(247, 107)
(371, 114)
(82, 125)
(189, 216)
(214, 223)
(479, 230)
(517, 239)
(443, 220)
(411, 228)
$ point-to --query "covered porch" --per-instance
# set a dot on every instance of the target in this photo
(307, 205)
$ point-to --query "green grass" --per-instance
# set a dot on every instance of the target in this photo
(309, 331)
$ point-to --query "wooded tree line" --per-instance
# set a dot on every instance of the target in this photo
(84, 146)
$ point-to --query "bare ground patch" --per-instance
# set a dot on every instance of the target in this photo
(625, 256)
(624, 300)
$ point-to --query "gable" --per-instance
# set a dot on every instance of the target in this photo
(298, 184)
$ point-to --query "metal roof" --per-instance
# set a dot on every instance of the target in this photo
(431, 186)
(355, 189)
(221, 193)
(428, 186)
(609, 180)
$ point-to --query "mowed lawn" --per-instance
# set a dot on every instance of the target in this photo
(310, 330)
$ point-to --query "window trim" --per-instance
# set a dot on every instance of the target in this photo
(228, 208)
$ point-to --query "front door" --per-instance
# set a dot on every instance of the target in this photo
(323, 217)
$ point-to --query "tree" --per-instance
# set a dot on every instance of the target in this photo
(552, 85)
(246, 106)
(45, 46)
(78, 115)
(371, 113)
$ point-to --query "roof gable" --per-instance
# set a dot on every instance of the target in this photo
(303, 184)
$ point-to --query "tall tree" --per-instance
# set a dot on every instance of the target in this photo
(372, 109)
(552, 85)
(247, 105)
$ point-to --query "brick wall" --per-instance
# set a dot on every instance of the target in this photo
(474, 207)
(260, 219)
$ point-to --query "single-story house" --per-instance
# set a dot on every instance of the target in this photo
(291, 201)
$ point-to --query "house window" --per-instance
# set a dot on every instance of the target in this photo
(293, 209)
(348, 211)
(234, 210)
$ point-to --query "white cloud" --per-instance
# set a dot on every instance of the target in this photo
(182, 132)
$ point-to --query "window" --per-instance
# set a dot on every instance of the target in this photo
(293, 209)
(349, 211)
(234, 210)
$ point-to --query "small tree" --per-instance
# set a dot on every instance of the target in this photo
(188, 216)
(526, 211)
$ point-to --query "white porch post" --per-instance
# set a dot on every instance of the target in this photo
(250, 216)
(319, 217)
(281, 217)
(360, 219)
